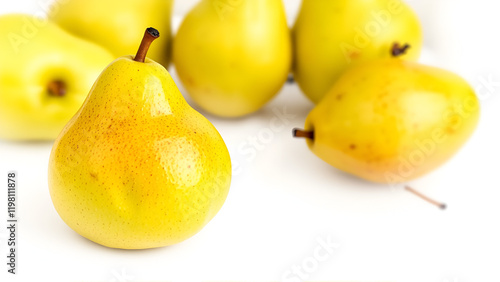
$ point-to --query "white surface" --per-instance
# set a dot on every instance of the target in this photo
(284, 199)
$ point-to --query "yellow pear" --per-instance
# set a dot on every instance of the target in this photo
(391, 121)
(137, 167)
(117, 24)
(330, 36)
(233, 56)
(45, 75)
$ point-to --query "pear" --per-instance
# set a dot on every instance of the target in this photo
(103, 22)
(137, 167)
(390, 120)
(233, 56)
(45, 75)
(331, 36)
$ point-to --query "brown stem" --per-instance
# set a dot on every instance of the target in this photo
(303, 133)
(436, 203)
(57, 88)
(149, 36)
(398, 50)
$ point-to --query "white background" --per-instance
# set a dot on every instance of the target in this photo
(285, 199)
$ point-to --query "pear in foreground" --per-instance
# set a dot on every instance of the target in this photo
(391, 121)
(137, 167)
(45, 75)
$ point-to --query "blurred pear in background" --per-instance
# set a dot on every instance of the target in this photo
(330, 36)
(233, 57)
(45, 75)
(118, 25)
(391, 120)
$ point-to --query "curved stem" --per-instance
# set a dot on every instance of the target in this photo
(149, 36)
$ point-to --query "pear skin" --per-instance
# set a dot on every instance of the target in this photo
(233, 57)
(45, 75)
(331, 36)
(137, 167)
(390, 120)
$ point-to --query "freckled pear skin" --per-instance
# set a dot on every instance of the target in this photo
(391, 121)
(137, 167)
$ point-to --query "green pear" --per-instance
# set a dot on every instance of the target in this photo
(233, 56)
(117, 24)
(137, 167)
(45, 75)
(331, 36)
(391, 120)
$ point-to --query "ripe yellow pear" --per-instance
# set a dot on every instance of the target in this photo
(137, 167)
(45, 75)
(233, 56)
(391, 121)
(117, 24)
(330, 36)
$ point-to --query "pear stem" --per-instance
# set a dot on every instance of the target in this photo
(299, 133)
(57, 88)
(149, 36)
(422, 196)
(398, 50)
